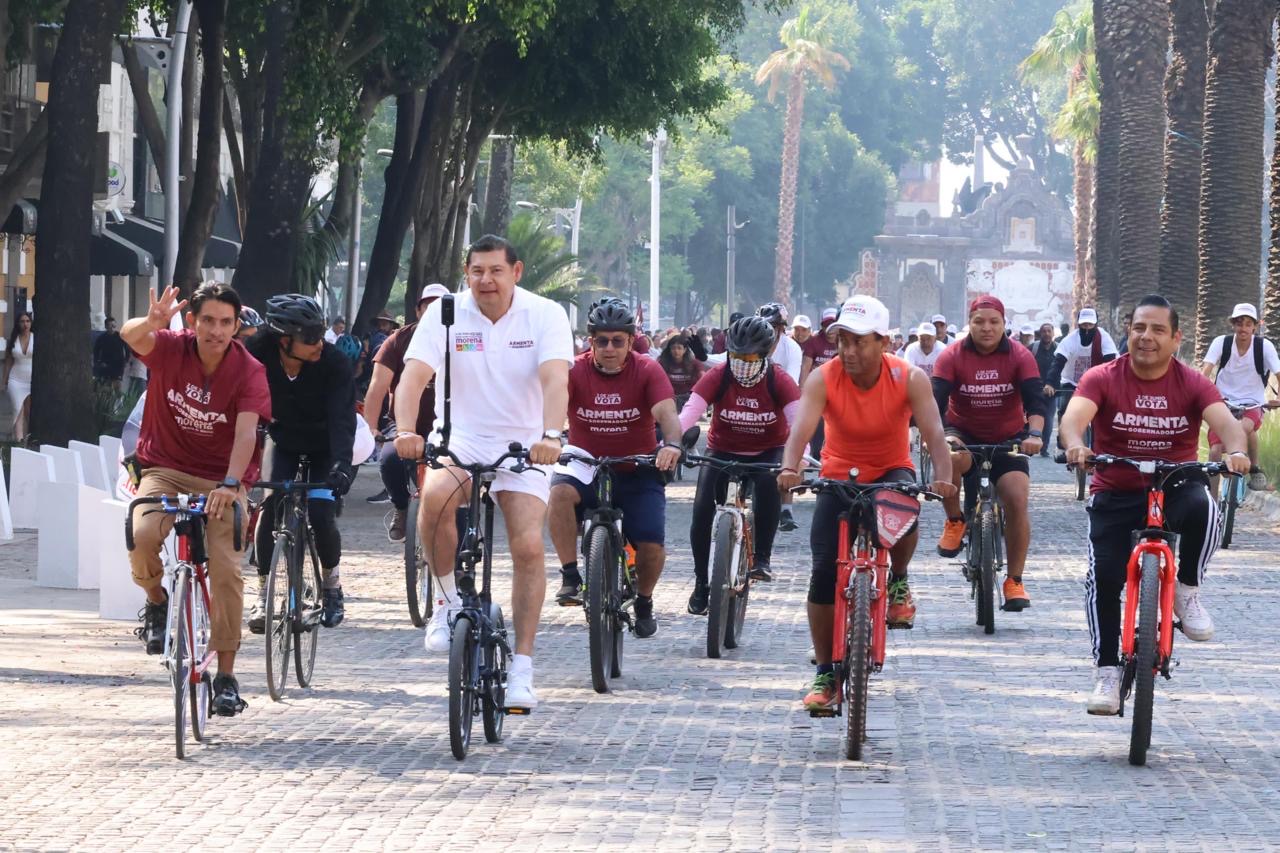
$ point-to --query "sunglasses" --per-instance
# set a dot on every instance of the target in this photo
(604, 343)
(750, 357)
(311, 336)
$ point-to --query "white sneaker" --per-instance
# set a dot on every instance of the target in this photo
(439, 633)
(1196, 622)
(1105, 699)
(520, 684)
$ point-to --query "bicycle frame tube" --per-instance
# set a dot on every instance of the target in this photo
(1164, 554)
(844, 584)
(198, 586)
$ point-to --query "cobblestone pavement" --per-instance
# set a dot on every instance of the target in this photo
(975, 741)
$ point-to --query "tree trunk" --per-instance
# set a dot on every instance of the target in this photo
(1106, 174)
(239, 179)
(1240, 52)
(187, 134)
(1271, 310)
(60, 383)
(152, 130)
(1184, 101)
(1084, 292)
(206, 192)
(1138, 72)
(497, 197)
(787, 189)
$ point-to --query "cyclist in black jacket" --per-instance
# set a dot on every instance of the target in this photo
(313, 403)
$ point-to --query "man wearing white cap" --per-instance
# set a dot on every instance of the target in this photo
(1026, 335)
(1087, 346)
(1244, 362)
(945, 333)
(866, 398)
(925, 351)
(801, 330)
(388, 364)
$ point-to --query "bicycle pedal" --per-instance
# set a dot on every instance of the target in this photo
(822, 712)
(901, 626)
(516, 712)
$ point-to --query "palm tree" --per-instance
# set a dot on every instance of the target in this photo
(1067, 49)
(1232, 165)
(805, 53)
(1103, 242)
(1184, 103)
(1271, 310)
(547, 266)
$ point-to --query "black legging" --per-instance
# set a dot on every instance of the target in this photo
(713, 485)
(324, 521)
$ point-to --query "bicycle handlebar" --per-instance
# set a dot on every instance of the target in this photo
(851, 490)
(291, 485)
(1009, 448)
(1150, 466)
(607, 461)
(693, 460)
(432, 455)
(193, 508)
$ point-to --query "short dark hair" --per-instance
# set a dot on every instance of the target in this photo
(1155, 300)
(218, 292)
(493, 243)
(109, 320)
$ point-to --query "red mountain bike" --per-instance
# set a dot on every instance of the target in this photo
(877, 516)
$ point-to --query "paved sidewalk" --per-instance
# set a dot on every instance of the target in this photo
(975, 742)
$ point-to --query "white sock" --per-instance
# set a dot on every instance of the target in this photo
(522, 662)
(447, 589)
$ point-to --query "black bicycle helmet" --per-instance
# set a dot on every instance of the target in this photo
(774, 312)
(750, 335)
(611, 314)
(294, 314)
(250, 319)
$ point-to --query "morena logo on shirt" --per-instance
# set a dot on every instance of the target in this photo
(1151, 401)
(468, 342)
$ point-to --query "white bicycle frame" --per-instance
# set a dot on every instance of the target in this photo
(730, 508)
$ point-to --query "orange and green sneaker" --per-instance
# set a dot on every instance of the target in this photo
(902, 606)
(822, 694)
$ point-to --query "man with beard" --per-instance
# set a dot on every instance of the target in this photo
(1087, 346)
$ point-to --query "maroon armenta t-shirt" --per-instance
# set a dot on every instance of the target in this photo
(684, 376)
(391, 356)
(986, 390)
(819, 349)
(1144, 418)
(612, 414)
(189, 421)
(747, 420)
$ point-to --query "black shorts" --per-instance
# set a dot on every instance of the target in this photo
(1001, 463)
(640, 495)
(825, 533)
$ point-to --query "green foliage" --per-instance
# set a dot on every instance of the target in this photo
(1065, 55)
(548, 267)
(319, 246)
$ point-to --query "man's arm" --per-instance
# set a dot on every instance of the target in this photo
(941, 394)
(813, 399)
(924, 408)
(1080, 412)
(1055, 373)
(377, 394)
(1221, 421)
(140, 332)
(553, 375)
(806, 367)
(664, 412)
(413, 381)
(246, 441)
(341, 415)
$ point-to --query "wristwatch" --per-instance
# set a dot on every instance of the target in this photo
(230, 483)
(1238, 453)
(554, 435)
(1035, 433)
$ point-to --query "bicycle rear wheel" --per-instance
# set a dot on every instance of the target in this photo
(602, 570)
(985, 592)
(722, 572)
(180, 670)
(278, 632)
(417, 579)
(306, 628)
(202, 689)
(1144, 680)
(462, 685)
(738, 597)
(494, 698)
(1231, 499)
(926, 464)
(857, 664)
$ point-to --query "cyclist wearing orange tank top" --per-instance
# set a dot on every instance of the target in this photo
(865, 399)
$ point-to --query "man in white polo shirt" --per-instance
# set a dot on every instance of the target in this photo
(924, 351)
(1244, 361)
(510, 362)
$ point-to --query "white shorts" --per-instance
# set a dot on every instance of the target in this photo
(474, 450)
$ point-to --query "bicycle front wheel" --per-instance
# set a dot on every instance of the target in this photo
(462, 685)
(985, 594)
(857, 664)
(180, 667)
(200, 691)
(306, 628)
(721, 580)
(1144, 679)
(417, 579)
(602, 569)
(1231, 499)
(494, 698)
(278, 632)
(738, 597)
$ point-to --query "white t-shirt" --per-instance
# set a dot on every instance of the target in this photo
(330, 335)
(1239, 382)
(789, 357)
(1079, 356)
(494, 366)
(916, 357)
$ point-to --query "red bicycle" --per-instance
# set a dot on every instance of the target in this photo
(187, 655)
(1146, 631)
(877, 516)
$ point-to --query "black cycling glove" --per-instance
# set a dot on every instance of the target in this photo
(340, 478)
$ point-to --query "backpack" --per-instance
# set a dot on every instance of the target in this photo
(1228, 347)
(727, 377)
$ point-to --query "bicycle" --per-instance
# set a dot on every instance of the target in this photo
(1230, 492)
(920, 452)
(294, 593)
(186, 655)
(877, 517)
(1083, 475)
(418, 580)
(732, 557)
(610, 584)
(1146, 631)
(478, 649)
(984, 552)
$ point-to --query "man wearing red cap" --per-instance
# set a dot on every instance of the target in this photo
(989, 392)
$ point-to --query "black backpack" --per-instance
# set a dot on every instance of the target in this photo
(1228, 347)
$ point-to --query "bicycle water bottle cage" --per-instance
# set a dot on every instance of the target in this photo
(895, 514)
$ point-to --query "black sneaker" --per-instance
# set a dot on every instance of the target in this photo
(699, 599)
(333, 609)
(226, 696)
(786, 522)
(760, 571)
(380, 498)
(646, 625)
(570, 594)
(258, 613)
(154, 619)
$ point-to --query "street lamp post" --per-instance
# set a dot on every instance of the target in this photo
(655, 222)
(732, 227)
(173, 120)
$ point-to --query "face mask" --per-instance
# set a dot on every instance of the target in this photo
(1086, 336)
(747, 373)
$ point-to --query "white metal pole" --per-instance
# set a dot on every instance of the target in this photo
(353, 255)
(655, 219)
(172, 205)
(574, 232)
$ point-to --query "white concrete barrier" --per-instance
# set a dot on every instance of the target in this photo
(67, 552)
(66, 464)
(118, 596)
(6, 518)
(111, 453)
(93, 464)
(27, 470)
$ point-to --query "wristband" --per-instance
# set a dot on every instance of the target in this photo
(403, 434)
(1243, 453)
(788, 470)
